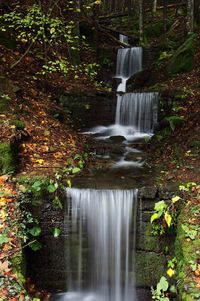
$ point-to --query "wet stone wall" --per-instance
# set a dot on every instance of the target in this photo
(90, 109)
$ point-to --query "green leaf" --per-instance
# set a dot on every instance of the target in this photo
(154, 217)
(52, 30)
(160, 206)
(52, 188)
(75, 170)
(56, 232)
(164, 284)
(183, 188)
(168, 218)
(35, 245)
(57, 203)
(35, 231)
(3, 239)
(37, 185)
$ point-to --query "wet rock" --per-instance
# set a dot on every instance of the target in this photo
(116, 82)
(148, 192)
(117, 139)
(133, 157)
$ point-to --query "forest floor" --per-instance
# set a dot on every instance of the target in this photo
(44, 146)
(177, 154)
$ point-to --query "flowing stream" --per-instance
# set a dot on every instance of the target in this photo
(104, 220)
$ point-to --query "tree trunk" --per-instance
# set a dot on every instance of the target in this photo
(154, 6)
(141, 29)
(74, 50)
(165, 16)
(190, 16)
(197, 11)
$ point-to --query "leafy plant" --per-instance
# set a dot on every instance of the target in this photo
(164, 215)
(174, 121)
(56, 232)
(160, 293)
(190, 231)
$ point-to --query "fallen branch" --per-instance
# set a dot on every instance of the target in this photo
(111, 36)
(21, 58)
(17, 250)
(119, 32)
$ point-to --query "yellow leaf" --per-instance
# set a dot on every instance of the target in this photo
(69, 183)
(22, 188)
(170, 272)
(168, 218)
(3, 201)
(40, 161)
(175, 199)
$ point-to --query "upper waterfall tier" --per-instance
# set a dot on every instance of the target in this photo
(129, 62)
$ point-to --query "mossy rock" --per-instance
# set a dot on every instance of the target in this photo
(149, 267)
(19, 124)
(7, 159)
(183, 59)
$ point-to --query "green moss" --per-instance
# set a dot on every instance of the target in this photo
(186, 250)
(7, 159)
(183, 59)
(19, 124)
(149, 267)
(18, 265)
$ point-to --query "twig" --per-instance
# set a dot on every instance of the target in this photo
(17, 250)
(21, 58)
(112, 37)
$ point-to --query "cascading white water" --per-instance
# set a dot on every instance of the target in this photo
(138, 110)
(107, 215)
(123, 38)
(129, 62)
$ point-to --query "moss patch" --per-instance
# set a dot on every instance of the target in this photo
(19, 124)
(187, 252)
(183, 59)
(150, 266)
(7, 160)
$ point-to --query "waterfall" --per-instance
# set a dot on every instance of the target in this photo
(123, 38)
(138, 110)
(129, 62)
(107, 216)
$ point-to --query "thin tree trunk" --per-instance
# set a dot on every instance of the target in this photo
(190, 16)
(165, 16)
(74, 50)
(197, 11)
(141, 29)
(154, 6)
